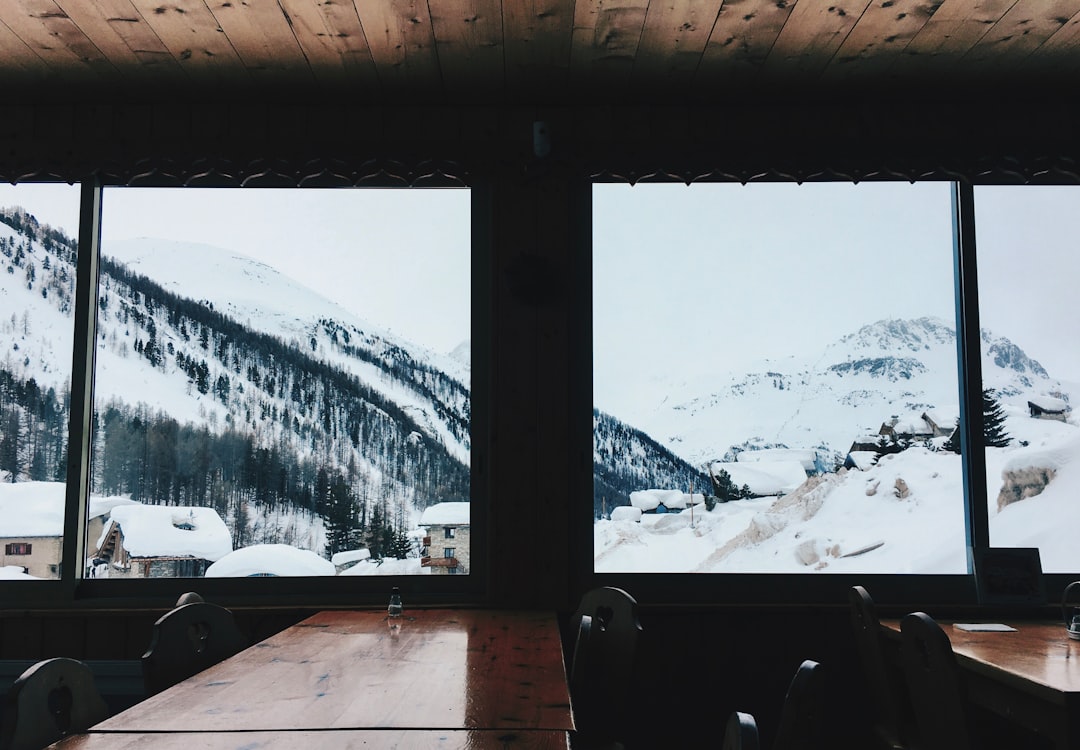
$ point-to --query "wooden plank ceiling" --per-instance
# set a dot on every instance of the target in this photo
(532, 50)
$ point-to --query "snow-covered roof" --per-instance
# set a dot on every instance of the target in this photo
(270, 559)
(765, 478)
(806, 456)
(350, 556)
(387, 567)
(34, 509)
(15, 573)
(912, 425)
(672, 499)
(446, 514)
(943, 416)
(626, 513)
(863, 460)
(160, 531)
(1049, 403)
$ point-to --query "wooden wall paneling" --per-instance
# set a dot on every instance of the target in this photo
(1024, 28)
(469, 41)
(955, 28)
(264, 39)
(124, 37)
(538, 35)
(741, 39)
(193, 36)
(879, 36)
(402, 45)
(28, 65)
(332, 39)
(46, 29)
(810, 38)
(673, 40)
(1058, 53)
(605, 42)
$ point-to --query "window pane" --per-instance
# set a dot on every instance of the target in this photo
(1030, 318)
(39, 226)
(788, 354)
(282, 381)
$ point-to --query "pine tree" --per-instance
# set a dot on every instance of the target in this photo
(726, 490)
(994, 434)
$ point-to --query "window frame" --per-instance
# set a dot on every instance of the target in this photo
(722, 589)
(76, 590)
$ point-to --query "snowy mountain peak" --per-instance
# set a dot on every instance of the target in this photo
(895, 336)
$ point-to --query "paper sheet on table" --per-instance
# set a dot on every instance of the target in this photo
(995, 627)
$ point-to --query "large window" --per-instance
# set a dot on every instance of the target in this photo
(775, 379)
(1030, 316)
(281, 379)
(38, 227)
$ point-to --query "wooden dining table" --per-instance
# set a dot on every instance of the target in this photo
(438, 678)
(1030, 675)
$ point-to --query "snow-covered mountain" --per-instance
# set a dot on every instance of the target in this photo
(221, 382)
(902, 514)
(884, 369)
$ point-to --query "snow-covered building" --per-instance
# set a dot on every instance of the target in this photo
(1048, 407)
(348, 558)
(32, 525)
(764, 478)
(260, 560)
(447, 542)
(663, 501)
(162, 541)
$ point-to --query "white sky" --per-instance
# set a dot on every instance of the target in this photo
(398, 258)
(708, 277)
(758, 270)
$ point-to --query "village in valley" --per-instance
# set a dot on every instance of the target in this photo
(126, 539)
(893, 504)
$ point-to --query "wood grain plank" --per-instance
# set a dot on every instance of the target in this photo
(537, 40)
(674, 38)
(1059, 52)
(951, 32)
(445, 669)
(744, 34)
(46, 29)
(811, 37)
(193, 36)
(332, 39)
(1023, 29)
(469, 41)
(400, 38)
(605, 40)
(874, 48)
(262, 36)
(122, 34)
(357, 739)
(21, 63)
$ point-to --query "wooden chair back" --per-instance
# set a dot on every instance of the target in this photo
(741, 732)
(606, 629)
(893, 720)
(187, 640)
(50, 700)
(800, 718)
(935, 686)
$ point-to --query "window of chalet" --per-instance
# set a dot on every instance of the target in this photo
(39, 226)
(281, 374)
(1028, 309)
(775, 379)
